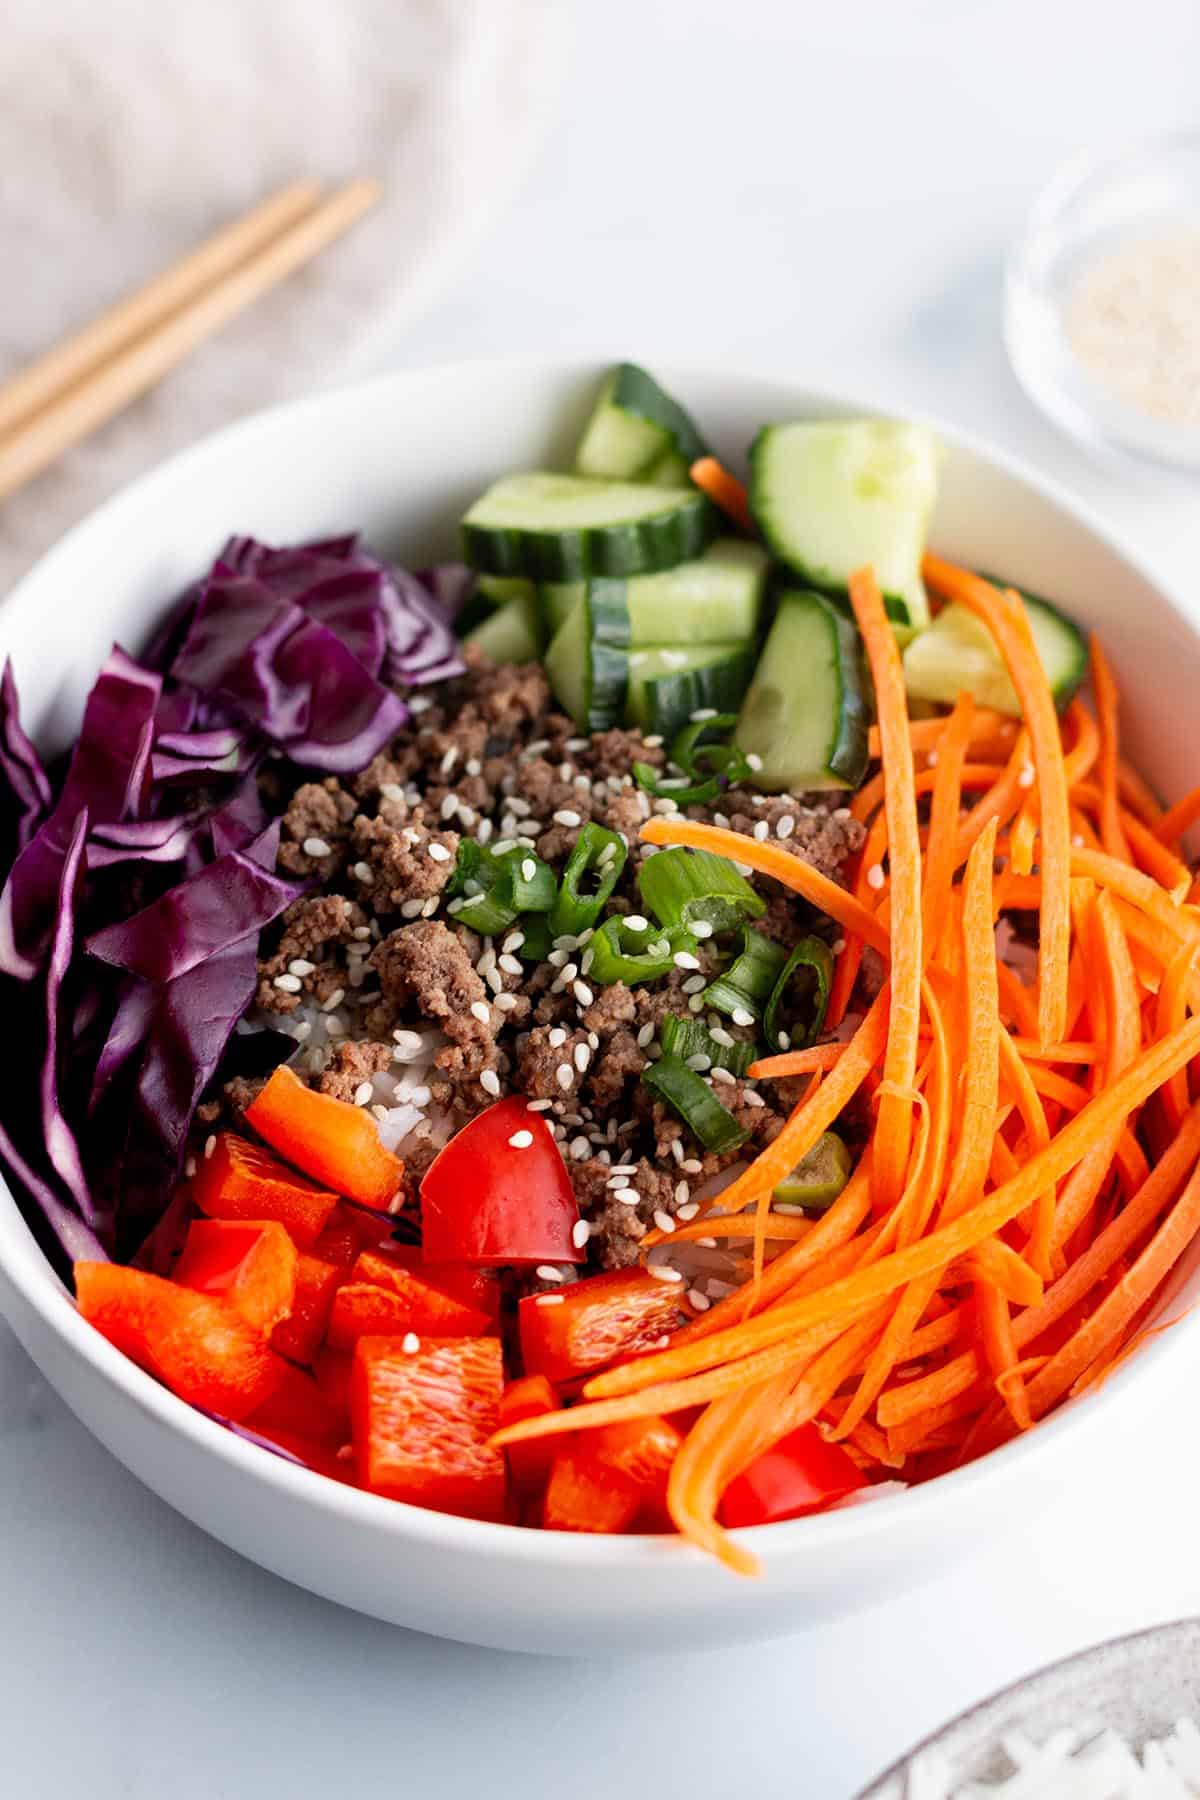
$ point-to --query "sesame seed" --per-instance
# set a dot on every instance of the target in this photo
(302, 1031)
(473, 766)
(663, 1220)
(700, 1063)
(300, 965)
(557, 1037)
(724, 1076)
(628, 1197)
(586, 961)
(449, 806)
(528, 871)
(839, 944)
(677, 1149)
(664, 806)
(701, 713)
(580, 1149)
(751, 1098)
(568, 973)
(644, 1035)
(683, 959)
(512, 942)
(742, 1017)
(785, 826)
(410, 1343)
(580, 1233)
(409, 909)
(315, 846)
(484, 832)
(449, 760)
(683, 1194)
(362, 1093)
(620, 1177)
(700, 1301)
(1077, 841)
(705, 1243)
(335, 999)
(509, 964)
(1026, 777)
(702, 929)
(521, 1140)
(481, 1011)
(430, 907)
(744, 868)
(550, 1299)
(566, 817)
(439, 852)
(489, 1081)
(754, 761)
(695, 984)
(664, 1272)
(365, 873)
(547, 1272)
(762, 831)
(564, 1076)
(290, 984)
(719, 1035)
(689, 1210)
(696, 1003)
(582, 1056)
(210, 1144)
(784, 1039)
(875, 876)
(583, 993)
(540, 1105)
(691, 1166)
(504, 1002)
(335, 1026)
(419, 703)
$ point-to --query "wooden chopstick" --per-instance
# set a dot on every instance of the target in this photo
(111, 385)
(41, 381)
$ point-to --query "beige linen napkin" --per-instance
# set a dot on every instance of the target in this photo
(130, 129)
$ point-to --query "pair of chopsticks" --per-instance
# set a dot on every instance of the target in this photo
(83, 382)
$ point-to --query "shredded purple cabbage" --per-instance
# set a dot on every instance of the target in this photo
(133, 898)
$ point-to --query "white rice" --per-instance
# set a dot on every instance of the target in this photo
(1089, 1762)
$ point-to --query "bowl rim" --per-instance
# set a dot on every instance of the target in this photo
(32, 1275)
(1075, 1660)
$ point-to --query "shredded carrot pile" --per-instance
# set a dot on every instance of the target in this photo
(1030, 1177)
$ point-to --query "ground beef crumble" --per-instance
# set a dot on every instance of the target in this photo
(374, 949)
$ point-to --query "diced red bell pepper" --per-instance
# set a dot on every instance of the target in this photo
(241, 1180)
(299, 1409)
(802, 1473)
(643, 1450)
(340, 1241)
(584, 1494)
(499, 1193)
(382, 1297)
(586, 1324)
(329, 1139)
(198, 1346)
(473, 1285)
(422, 1422)
(301, 1333)
(529, 1463)
(253, 1265)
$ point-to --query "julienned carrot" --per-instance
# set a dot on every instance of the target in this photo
(992, 735)
(981, 1081)
(1085, 746)
(1179, 818)
(797, 1062)
(1070, 1052)
(848, 1297)
(1002, 799)
(1017, 1002)
(995, 1331)
(994, 1262)
(1170, 1012)
(1037, 1132)
(771, 859)
(1140, 890)
(724, 490)
(916, 1397)
(1137, 795)
(1112, 834)
(893, 1125)
(1009, 625)
(940, 860)
(1145, 848)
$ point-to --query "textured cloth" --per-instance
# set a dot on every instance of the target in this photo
(131, 129)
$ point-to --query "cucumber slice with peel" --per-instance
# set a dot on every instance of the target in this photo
(805, 717)
(512, 633)
(637, 432)
(568, 527)
(957, 655)
(716, 598)
(669, 682)
(587, 662)
(832, 495)
(818, 1178)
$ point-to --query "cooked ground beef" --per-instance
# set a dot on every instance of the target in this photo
(377, 947)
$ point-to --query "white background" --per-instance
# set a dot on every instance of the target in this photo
(826, 189)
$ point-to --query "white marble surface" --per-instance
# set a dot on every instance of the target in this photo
(830, 190)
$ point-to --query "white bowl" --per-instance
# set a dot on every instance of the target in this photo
(400, 458)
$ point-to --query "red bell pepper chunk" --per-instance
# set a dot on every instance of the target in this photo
(329, 1139)
(299, 1409)
(253, 1265)
(199, 1346)
(340, 1241)
(584, 1494)
(802, 1473)
(643, 1450)
(586, 1324)
(473, 1285)
(300, 1335)
(422, 1422)
(499, 1193)
(381, 1298)
(529, 1463)
(331, 1372)
(241, 1180)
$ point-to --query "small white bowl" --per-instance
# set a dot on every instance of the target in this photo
(1093, 205)
(401, 458)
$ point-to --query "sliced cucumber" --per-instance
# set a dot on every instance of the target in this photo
(805, 715)
(829, 497)
(497, 590)
(512, 633)
(957, 654)
(587, 662)
(638, 433)
(715, 599)
(567, 527)
(669, 682)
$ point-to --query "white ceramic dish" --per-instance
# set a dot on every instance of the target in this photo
(400, 458)
(1137, 1686)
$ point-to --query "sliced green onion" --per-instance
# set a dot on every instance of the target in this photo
(619, 954)
(524, 881)
(689, 740)
(467, 865)
(666, 787)
(696, 1104)
(538, 942)
(485, 913)
(742, 990)
(692, 887)
(599, 856)
(819, 1177)
(809, 970)
(690, 1038)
